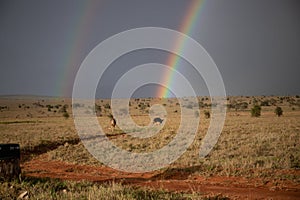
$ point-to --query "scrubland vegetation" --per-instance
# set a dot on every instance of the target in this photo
(255, 143)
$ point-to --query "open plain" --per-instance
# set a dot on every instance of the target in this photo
(255, 157)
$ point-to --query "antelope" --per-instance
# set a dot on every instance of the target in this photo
(157, 121)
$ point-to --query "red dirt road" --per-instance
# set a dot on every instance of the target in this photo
(232, 187)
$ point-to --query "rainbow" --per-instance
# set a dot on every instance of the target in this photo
(81, 30)
(187, 26)
(76, 37)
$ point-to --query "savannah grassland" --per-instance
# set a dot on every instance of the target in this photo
(265, 149)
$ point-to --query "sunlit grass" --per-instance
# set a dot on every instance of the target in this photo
(36, 188)
(248, 146)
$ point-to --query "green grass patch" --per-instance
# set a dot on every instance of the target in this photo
(45, 188)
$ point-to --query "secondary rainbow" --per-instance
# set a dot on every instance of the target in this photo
(78, 30)
(188, 24)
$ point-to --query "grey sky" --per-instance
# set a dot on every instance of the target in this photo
(255, 44)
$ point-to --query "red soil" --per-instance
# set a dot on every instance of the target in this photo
(232, 187)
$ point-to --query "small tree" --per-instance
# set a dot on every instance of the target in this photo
(278, 111)
(207, 114)
(66, 115)
(255, 111)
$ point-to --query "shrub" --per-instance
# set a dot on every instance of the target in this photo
(254, 101)
(66, 115)
(242, 105)
(107, 106)
(142, 106)
(255, 111)
(238, 106)
(265, 103)
(201, 104)
(207, 114)
(278, 111)
(63, 109)
(273, 102)
(98, 108)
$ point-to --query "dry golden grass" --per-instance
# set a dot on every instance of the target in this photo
(248, 146)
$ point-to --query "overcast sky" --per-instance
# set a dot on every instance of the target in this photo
(255, 44)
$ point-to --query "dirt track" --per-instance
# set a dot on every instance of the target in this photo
(232, 187)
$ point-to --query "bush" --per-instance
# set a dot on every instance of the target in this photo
(207, 114)
(107, 106)
(238, 106)
(201, 104)
(278, 111)
(255, 111)
(98, 108)
(63, 109)
(265, 103)
(66, 115)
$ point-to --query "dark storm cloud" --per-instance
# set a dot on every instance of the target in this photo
(255, 44)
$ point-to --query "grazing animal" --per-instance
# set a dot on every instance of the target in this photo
(157, 121)
(113, 124)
